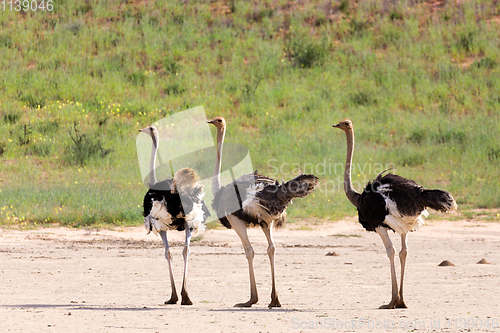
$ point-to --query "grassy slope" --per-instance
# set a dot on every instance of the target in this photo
(419, 81)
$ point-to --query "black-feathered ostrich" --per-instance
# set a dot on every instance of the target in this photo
(262, 201)
(391, 202)
(174, 204)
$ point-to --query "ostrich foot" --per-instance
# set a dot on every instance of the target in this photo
(246, 304)
(395, 304)
(401, 304)
(173, 299)
(275, 303)
(185, 298)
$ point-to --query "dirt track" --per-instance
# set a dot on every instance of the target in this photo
(61, 280)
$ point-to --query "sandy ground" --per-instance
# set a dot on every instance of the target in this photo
(66, 280)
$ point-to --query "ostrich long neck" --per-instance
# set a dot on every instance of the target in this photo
(351, 194)
(152, 163)
(216, 178)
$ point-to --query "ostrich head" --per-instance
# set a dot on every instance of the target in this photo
(345, 125)
(218, 122)
(150, 130)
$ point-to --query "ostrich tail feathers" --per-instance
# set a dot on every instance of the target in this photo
(186, 182)
(299, 187)
(439, 200)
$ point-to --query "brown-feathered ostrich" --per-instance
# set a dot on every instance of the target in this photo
(261, 201)
(391, 202)
(174, 204)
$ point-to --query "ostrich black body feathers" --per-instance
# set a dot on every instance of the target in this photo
(267, 193)
(178, 205)
(410, 200)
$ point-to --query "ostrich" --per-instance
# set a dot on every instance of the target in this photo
(391, 202)
(174, 204)
(262, 201)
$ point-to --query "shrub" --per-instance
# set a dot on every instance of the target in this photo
(83, 147)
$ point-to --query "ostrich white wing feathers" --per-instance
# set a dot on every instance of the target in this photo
(398, 222)
(195, 219)
(252, 205)
(160, 218)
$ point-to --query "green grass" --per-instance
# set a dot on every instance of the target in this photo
(342, 235)
(421, 86)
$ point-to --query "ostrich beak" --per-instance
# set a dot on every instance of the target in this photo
(210, 122)
(336, 125)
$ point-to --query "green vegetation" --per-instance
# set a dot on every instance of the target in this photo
(419, 79)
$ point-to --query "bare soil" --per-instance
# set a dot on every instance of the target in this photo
(68, 280)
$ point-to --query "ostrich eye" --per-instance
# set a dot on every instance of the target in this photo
(219, 120)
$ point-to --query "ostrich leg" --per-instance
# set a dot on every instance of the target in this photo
(168, 255)
(402, 257)
(391, 253)
(241, 229)
(185, 254)
(270, 252)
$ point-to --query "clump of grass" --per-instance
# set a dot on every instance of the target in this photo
(48, 126)
(466, 41)
(344, 6)
(358, 26)
(362, 98)
(137, 78)
(11, 117)
(174, 89)
(446, 72)
(32, 101)
(487, 63)
(84, 8)
(213, 225)
(445, 107)
(42, 149)
(102, 120)
(5, 40)
(446, 136)
(305, 52)
(171, 66)
(494, 154)
(418, 136)
(409, 157)
(84, 148)
(259, 13)
(396, 15)
(74, 27)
